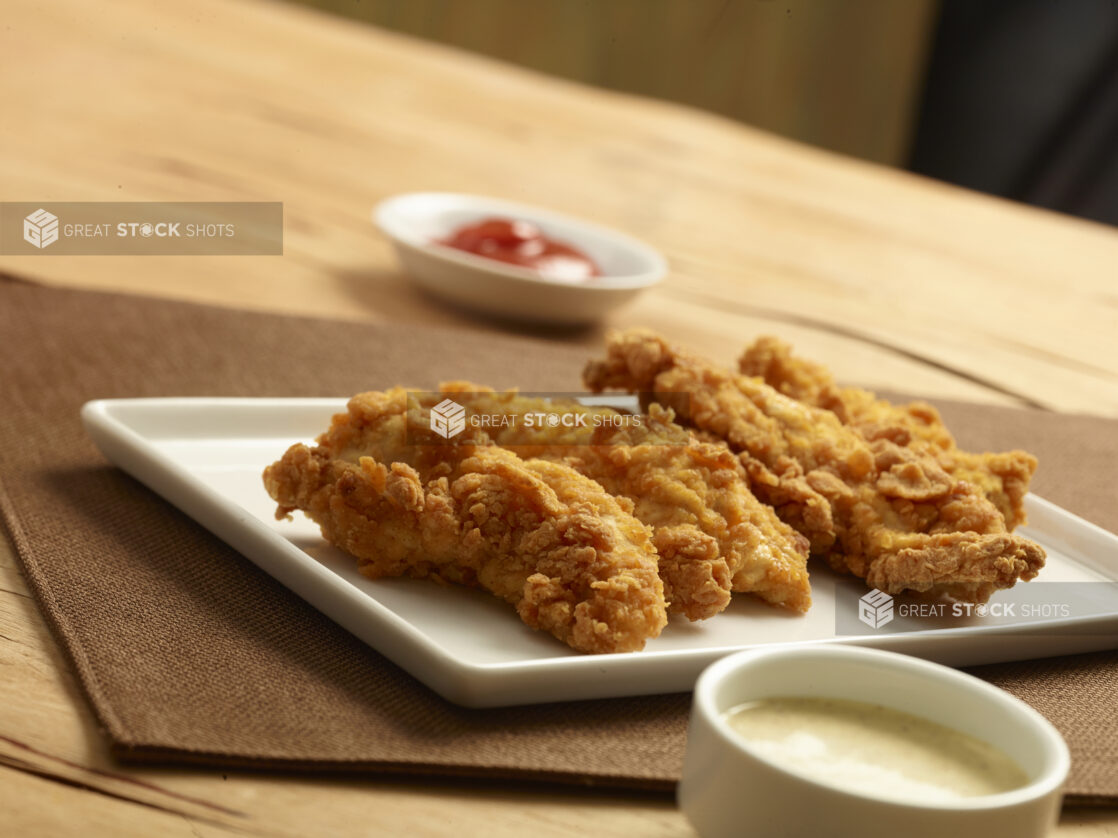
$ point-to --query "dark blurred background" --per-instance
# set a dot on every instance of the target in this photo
(1018, 98)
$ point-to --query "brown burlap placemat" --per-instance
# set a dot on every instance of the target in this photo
(189, 653)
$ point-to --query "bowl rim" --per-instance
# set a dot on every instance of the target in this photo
(655, 273)
(1051, 740)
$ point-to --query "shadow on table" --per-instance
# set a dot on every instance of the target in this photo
(394, 296)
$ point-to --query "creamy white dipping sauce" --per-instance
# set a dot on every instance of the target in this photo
(873, 750)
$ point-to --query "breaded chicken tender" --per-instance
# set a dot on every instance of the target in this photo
(879, 510)
(569, 556)
(1002, 477)
(712, 535)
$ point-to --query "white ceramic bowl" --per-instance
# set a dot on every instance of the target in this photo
(729, 790)
(414, 221)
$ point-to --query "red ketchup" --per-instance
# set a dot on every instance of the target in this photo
(521, 243)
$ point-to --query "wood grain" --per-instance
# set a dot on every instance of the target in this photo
(891, 279)
(843, 76)
(948, 292)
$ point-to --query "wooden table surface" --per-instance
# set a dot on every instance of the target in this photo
(893, 280)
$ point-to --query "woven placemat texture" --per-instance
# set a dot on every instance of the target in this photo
(189, 653)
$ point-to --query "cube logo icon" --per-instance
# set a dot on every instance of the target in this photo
(40, 228)
(875, 609)
(448, 418)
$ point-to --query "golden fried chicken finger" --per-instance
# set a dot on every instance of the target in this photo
(569, 556)
(1001, 477)
(889, 507)
(712, 535)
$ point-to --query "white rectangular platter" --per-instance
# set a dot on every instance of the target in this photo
(206, 457)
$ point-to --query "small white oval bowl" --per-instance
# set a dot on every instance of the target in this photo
(415, 220)
(729, 790)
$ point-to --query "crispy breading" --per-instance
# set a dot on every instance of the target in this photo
(1001, 477)
(712, 535)
(568, 555)
(874, 508)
